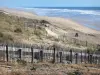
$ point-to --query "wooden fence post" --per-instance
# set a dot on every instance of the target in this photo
(81, 57)
(57, 55)
(32, 54)
(91, 59)
(41, 56)
(96, 58)
(76, 58)
(85, 57)
(7, 53)
(54, 55)
(60, 57)
(71, 56)
(20, 54)
(88, 52)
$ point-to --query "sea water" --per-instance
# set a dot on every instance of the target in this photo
(87, 16)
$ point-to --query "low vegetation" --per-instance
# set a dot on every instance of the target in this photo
(4, 37)
(18, 30)
(49, 69)
(75, 73)
(15, 29)
(22, 62)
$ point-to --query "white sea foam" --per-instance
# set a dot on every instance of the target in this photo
(89, 18)
(43, 11)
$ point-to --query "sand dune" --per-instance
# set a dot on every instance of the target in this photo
(66, 23)
(60, 22)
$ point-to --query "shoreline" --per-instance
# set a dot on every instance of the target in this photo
(86, 25)
(73, 24)
(89, 20)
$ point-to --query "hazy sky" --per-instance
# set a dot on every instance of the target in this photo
(49, 3)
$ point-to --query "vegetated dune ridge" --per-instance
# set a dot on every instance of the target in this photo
(61, 22)
(57, 30)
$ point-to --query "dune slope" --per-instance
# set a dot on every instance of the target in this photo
(25, 27)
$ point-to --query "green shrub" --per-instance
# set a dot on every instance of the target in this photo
(36, 32)
(44, 22)
(8, 37)
(75, 73)
(1, 34)
(33, 68)
(22, 62)
(56, 39)
(18, 30)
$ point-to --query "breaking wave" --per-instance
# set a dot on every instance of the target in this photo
(86, 17)
(45, 11)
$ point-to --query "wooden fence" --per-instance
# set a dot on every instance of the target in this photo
(54, 55)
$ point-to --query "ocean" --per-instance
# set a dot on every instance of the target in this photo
(87, 16)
